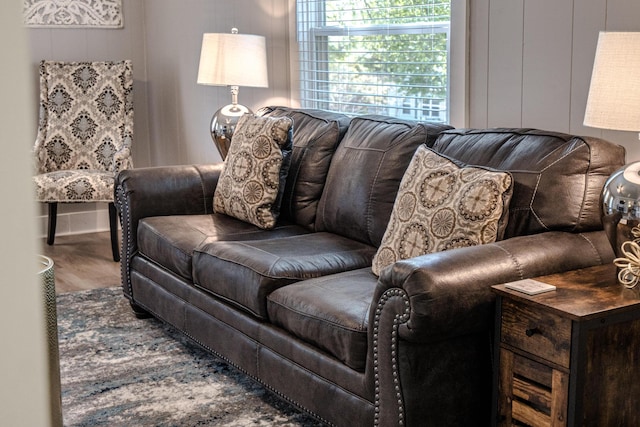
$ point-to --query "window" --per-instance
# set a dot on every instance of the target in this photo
(386, 57)
(432, 109)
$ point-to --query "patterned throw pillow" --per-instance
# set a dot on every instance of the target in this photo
(251, 185)
(441, 206)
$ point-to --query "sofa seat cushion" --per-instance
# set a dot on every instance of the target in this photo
(330, 312)
(244, 273)
(171, 240)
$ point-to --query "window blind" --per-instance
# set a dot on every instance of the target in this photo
(375, 56)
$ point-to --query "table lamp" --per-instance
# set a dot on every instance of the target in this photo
(231, 60)
(614, 103)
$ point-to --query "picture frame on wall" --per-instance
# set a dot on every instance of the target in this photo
(73, 13)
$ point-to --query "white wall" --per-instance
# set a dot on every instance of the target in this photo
(23, 389)
(531, 60)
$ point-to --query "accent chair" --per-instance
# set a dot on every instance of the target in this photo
(85, 133)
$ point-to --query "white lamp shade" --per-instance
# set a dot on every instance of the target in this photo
(614, 94)
(233, 60)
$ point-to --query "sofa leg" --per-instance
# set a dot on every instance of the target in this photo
(139, 312)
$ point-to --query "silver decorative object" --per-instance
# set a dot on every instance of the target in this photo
(224, 121)
(621, 205)
(620, 219)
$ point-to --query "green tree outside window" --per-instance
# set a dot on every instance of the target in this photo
(375, 56)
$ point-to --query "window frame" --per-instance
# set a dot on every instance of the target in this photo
(458, 77)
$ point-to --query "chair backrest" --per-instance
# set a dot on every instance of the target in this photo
(86, 116)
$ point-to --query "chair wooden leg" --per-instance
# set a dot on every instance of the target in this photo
(53, 214)
(113, 226)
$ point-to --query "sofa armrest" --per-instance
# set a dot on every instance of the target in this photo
(431, 325)
(167, 190)
(448, 293)
(158, 191)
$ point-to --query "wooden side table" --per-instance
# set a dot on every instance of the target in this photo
(569, 357)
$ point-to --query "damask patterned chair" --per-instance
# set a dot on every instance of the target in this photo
(84, 135)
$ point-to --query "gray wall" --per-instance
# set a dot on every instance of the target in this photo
(172, 112)
(163, 37)
(179, 109)
(73, 44)
(530, 62)
(529, 66)
(24, 393)
(102, 44)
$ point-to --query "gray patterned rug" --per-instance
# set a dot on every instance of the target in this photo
(117, 370)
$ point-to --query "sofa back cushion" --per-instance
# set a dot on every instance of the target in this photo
(558, 178)
(316, 134)
(365, 174)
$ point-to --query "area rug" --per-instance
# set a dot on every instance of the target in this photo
(117, 370)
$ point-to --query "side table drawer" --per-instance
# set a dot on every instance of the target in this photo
(542, 334)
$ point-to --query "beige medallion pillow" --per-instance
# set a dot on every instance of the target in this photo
(441, 206)
(251, 184)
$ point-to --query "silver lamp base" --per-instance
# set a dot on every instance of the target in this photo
(224, 121)
(223, 125)
(621, 206)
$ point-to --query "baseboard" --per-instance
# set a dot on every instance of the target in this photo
(73, 219)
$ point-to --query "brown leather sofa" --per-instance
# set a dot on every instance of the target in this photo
(298, 307)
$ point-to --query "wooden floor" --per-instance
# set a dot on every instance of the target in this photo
(82, 261)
